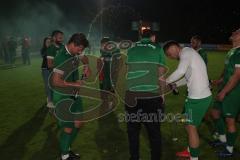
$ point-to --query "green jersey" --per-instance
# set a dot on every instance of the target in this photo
(65, 63)
(53, 50)
(231, 62)
(203, 54)
(143, 61)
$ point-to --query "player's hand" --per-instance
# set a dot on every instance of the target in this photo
(163, 79)
(221, 95)
(163, 99)
(173, 87)
(87, 71)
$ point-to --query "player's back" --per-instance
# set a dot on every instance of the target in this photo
(196, 74)
(144, 51)
(143, 61)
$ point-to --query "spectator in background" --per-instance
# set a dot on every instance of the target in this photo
(12, 47)
(196, 44)
(5, 52)
(26, 51)
(45, 70)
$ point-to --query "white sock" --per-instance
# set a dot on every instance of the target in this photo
(216, 135)
(230, 149)
(194, 158)
(65, 156)
(223, 138)
(188, 149)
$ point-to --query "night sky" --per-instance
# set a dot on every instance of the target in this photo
(179, 20)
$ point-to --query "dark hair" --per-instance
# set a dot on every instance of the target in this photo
(54, 33)
(105, 39)
(79, 39)
(44, 42)
(197, 37)
(147, 33)
(168, 44)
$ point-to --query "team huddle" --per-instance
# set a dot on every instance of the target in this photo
(146, 83)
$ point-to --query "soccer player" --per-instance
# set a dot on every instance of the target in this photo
(106, 65)
(196, 43)
(52, 50)
(144, 88)
(68, 130)
(5, 50)
(227, 105)
(193, 72)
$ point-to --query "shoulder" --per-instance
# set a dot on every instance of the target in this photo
(186, 51)
(237, 51)
(236, 54)
(61, 56)
(51, 46)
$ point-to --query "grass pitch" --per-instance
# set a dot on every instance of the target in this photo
(29, 132)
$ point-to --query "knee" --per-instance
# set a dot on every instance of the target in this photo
(215, 114)
(231, 124)
(191, 128)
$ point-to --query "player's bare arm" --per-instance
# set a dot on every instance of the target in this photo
(234, 80)
(59, 82)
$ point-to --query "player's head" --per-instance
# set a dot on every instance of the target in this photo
(104, 40)
(57, 37)
(47, 42)
(196, 42)
(235, 37)
(77, 43)
(146, 33)
(172, 49)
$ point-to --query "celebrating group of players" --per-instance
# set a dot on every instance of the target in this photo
(148, 92)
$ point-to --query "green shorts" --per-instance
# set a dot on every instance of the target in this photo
(68, 120)
(217, 105)
(231, 105)
(195, 110)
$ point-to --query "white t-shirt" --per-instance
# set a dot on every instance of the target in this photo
(194, 70)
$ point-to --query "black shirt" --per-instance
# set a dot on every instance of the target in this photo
(44, 56)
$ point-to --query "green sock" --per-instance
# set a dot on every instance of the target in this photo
(194, 152)
(220, 125)
(231, 138)
(65, 140)
(74, 135)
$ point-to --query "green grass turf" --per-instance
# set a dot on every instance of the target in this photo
(29, 132)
